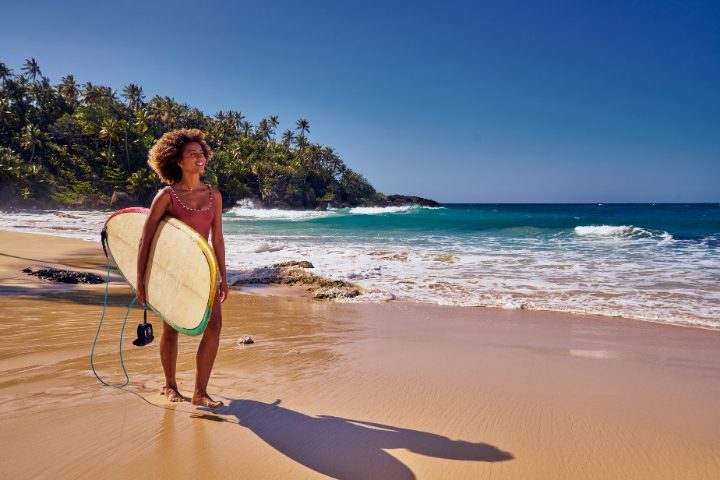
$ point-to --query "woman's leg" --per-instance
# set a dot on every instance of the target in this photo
(206, 356)
(168, 358)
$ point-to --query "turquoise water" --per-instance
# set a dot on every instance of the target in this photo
(694, 222)
(652, 262)
(649, 262)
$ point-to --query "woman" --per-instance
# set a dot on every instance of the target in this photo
(179, 158)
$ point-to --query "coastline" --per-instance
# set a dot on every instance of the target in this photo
(386, 390)
(645, 263)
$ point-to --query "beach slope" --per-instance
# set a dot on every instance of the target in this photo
(398, 390)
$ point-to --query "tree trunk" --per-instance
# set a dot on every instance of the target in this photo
(127, 154)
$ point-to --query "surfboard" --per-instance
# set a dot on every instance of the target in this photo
(181, 272)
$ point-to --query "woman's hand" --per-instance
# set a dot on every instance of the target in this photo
(223, 291)
(140, 293)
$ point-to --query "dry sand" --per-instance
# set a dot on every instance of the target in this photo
(354, 391)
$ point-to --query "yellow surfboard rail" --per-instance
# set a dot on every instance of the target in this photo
(176, 270)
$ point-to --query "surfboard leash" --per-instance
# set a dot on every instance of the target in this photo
(143, 338)
(122, 331)
(145, 333)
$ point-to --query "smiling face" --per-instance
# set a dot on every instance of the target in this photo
(193, 159)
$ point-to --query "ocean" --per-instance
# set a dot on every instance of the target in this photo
(656, 262)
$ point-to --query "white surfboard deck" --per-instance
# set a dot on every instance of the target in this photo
(181, 272)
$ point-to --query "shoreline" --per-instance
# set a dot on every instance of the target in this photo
(89, 249)
(396, 390)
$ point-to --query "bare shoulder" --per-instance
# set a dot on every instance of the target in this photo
(162, 193)
(216, 194)
(161, 201)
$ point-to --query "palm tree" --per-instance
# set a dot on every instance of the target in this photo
(90, 93)
(107, 93)
(124, 126)
(68, 89)
(30, 138)
(220, 117)
(304, 126)
(5, 72)
(31, 69)
(169, 112)
(133, 93)
(237, 153)
(41, 93)
(235, 119)
(96, 94)
(246, 127)
(274, 122)
(287, 137)
(194, 118)
(141, 121)
(109, 131)
(263, 129)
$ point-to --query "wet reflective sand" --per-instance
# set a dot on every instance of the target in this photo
(355, 391)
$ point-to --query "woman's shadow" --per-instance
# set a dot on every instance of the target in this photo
(345, 448)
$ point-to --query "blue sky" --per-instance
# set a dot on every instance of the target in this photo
(460, 102)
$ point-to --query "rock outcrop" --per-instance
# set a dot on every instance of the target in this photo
(64, 276)
(293, 273)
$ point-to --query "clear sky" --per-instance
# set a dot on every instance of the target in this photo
(505, 101)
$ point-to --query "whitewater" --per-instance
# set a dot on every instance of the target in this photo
(649, 262)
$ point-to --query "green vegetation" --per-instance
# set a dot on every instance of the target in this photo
(73, 145)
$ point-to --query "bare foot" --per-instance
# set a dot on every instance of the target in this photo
(172, 394)
(206, 401)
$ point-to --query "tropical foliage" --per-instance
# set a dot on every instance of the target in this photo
(75, 144)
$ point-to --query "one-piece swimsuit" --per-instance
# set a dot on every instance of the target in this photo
(199, 219)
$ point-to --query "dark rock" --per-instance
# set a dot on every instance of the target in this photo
(292, 273)
(294, 263)
(411, 199)
(323, 293)
(124, 200)
(65, 276)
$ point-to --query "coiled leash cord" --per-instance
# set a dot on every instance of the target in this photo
(145, 336)
(122, 331)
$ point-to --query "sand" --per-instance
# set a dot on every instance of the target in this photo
(398, 390)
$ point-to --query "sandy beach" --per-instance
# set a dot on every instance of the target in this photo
(395, 390)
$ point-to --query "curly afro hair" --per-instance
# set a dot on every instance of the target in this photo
(167, 152)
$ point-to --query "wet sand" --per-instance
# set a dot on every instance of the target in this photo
(398, 390)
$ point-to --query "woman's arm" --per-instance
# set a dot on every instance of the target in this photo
(218, 243)
(159, 207)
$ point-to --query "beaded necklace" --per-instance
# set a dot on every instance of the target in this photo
(192, 209)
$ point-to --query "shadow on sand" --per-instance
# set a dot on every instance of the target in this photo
(345, 448)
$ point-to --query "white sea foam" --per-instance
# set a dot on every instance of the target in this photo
(608, 230)
(381, 210)
(245, 213)
(246, 209)
(268, 247)
(666, 239)
(364, 273)
(575, 271)
(623, 232)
